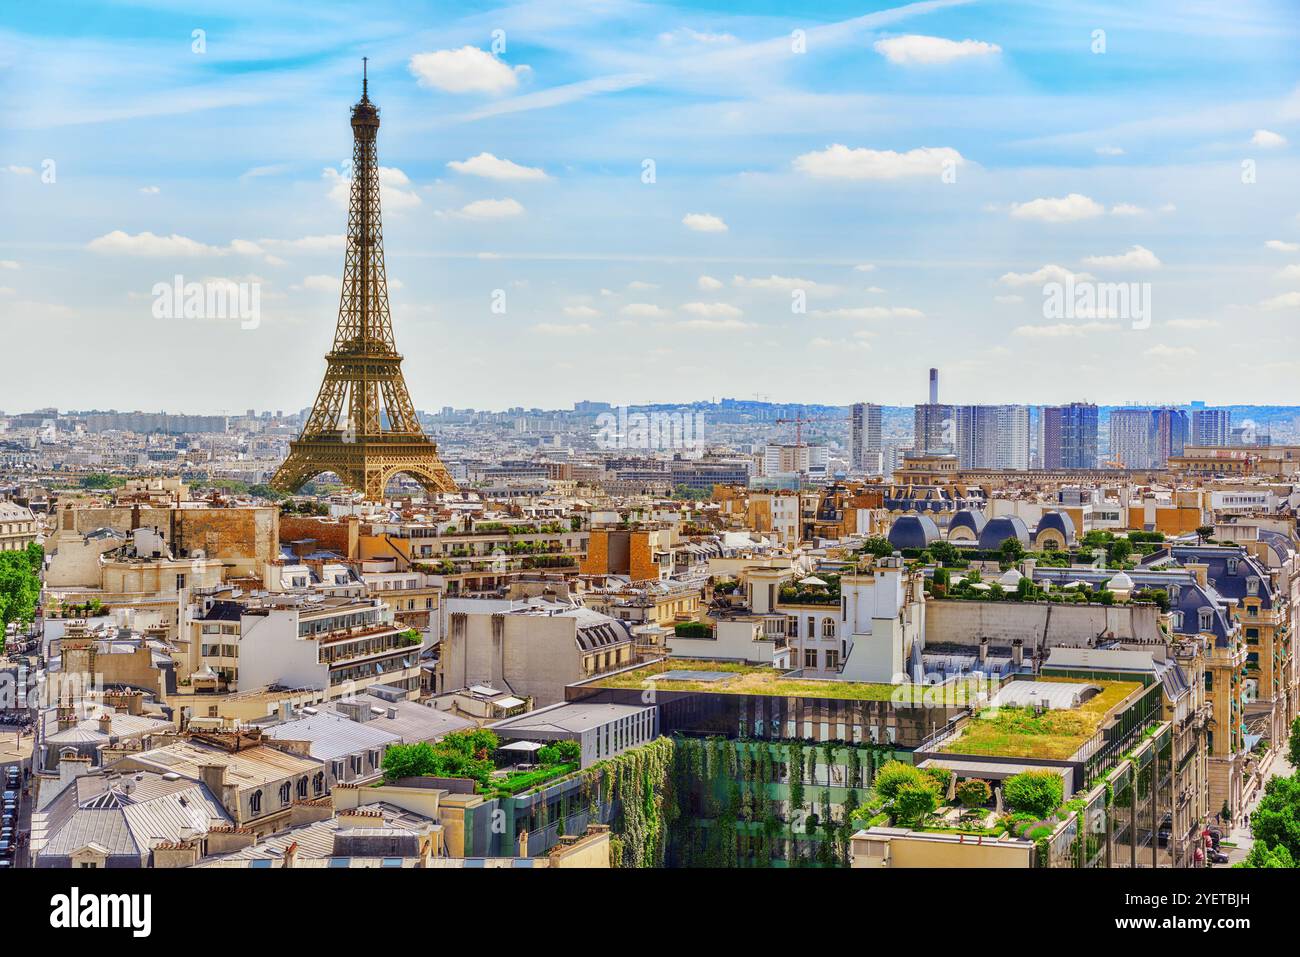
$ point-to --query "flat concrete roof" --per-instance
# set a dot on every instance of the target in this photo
(567, 718)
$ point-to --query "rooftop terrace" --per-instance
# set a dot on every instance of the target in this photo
(1055, 735)
(736, 678)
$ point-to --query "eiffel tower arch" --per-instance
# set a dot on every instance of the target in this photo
(363, 426)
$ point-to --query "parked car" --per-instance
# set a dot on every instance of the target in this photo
(1218, 857)
(6, 848)
(11, 796)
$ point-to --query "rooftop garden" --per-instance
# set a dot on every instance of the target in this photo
(1055, 734)
(820, 590)
(973, 587)
(762, 680)
(469, 754)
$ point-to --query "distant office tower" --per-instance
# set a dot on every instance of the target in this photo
(1068, 436)
(1145, 438)
(864, 437)
(934, 386)
(992, 436)
(935, 429)
(1211, 426)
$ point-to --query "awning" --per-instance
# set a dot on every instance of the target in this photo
(529, 746)
(508, 702)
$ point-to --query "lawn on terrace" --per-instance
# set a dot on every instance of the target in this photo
(1054, 735)
(760, 680)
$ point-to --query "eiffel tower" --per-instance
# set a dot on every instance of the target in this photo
(363, 426)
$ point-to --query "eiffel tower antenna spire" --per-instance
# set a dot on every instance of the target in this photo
(363, 426)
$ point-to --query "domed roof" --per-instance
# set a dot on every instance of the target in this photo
(998, 530)
(1121, 582)
(913, 531)
(1010, 578)
(1060, 521)
(971, 518)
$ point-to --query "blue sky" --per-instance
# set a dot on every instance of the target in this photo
(915, 172)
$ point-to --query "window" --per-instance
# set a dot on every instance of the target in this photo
(794, 627)
(255, 802)
(302, 788)
(828, 627)
(1206, 619)
(810, 658)
(284, 793)
(1252, 585)
(318, 782)
(832, 660)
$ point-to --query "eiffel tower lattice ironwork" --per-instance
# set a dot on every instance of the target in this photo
(363, 426)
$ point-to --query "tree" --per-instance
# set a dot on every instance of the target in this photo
(973, 793)
(914, 802)
(1276, 820)
(1261, 855)
(1293, 744)
(1204, 533)
(1012, 551)
(1120, 550)
(893, 775)
(945, 552)
(1033, 792)
(560, 752)
(877, 546)
(20, 584)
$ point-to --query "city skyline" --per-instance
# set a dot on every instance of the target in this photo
(844, 161)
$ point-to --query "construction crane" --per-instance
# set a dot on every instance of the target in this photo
(800, 419)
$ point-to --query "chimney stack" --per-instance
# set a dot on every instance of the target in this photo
(106, 723)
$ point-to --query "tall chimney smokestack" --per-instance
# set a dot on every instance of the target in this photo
(934, 386)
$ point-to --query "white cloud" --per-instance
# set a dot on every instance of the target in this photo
(686, 34)
(394, 189)
(1008, 300)
(708, 283)
(467, 70)
(643, 310)
(1267, 139)
(561, 329)
(704, 223)
(18, 170)
(147, 244)
(712, 325)
(775, 283)
(864, 267)
(1126, 209)
(321, 283)
(1139, 257)
(1289, 272)
(839, 162)
(1164, 351)
(581, 312)
(928, 51)
(712, 310)
(1065, 329)
(1064, 209)
(1288, 300)
(1282, 247)
(869, 312)
(1109, 151)
(492, 167)
(1192, 324)
(640, 286)
(487, 210)
(8, 264)
(149, 190)
(1044, 274)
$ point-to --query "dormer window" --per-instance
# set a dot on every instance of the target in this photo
(1177, 620)
(1206, 617)
(1252, 585)
(1232, 565)
(1173, 592)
